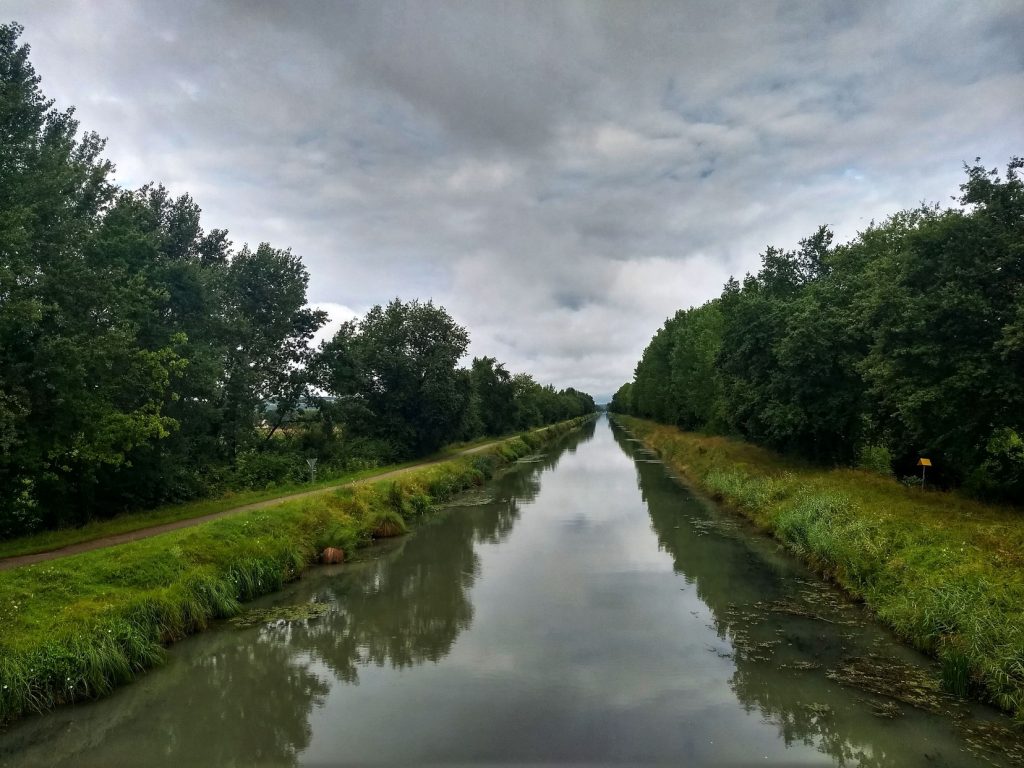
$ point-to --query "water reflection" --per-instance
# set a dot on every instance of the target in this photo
(408, 608)
(594, 626)
(245, 697)
(787, 632)
(178, 716)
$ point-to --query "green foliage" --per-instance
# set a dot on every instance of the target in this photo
(394, 377)
(75, 628)
(486, 465)
(943, 571)
(1001, 471)
(398, 366)
(875, 458)
(622, 400)
(79, 387)
(494, 396)
(136, 348)
(386, 523)
(910, 336)
(265, 469)
(145, 361)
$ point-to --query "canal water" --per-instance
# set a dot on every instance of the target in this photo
(582, 607)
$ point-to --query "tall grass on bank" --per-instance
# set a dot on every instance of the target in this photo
(76, 627)
(946, 573)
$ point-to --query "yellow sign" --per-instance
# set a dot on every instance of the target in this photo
(924, 462)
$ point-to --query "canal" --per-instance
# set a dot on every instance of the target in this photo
(582, 607)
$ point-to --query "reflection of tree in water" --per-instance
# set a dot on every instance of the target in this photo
(521, 484)
(238, 703)
(409, 607)
(267, 693)
(247, 698)
(735, 584)
(405, 609)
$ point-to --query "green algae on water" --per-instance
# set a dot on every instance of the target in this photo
(278, 614)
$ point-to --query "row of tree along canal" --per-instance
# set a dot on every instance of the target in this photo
(145, 360)
(905, 342)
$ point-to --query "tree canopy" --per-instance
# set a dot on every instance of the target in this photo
(907, 341)
(144, 360)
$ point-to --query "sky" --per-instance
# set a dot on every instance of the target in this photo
(561, 176)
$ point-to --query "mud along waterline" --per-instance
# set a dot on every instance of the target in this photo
(583, 606)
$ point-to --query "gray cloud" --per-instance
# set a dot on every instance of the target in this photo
(562, 176)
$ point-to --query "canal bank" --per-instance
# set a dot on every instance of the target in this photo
(944, 572)
(75, 628)
(583, 606)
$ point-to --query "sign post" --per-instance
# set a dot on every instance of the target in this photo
(923, 464)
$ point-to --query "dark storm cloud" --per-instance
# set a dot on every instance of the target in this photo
(561, 175)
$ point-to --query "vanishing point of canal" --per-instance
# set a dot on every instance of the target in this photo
(581, 607)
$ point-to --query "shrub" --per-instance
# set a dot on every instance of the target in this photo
(1001, 473)
(386, 523)
(421, 504)
(265, 469)
(396, 499)
(875, 458)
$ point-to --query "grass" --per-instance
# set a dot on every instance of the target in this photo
(45, 541)
(943, 571)
(76, 627)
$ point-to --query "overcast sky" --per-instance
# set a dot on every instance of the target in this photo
(561, 176)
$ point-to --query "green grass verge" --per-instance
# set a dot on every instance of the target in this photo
(76, 627)
(945, 572)
(45, 541)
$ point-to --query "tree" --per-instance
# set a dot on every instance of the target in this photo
(400, 364)
(622, 399)
(158, 240)
(494, 395)
(694, 379)
(909, 338)
(270, 328)
(78, 389)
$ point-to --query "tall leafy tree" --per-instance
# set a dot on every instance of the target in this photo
(142, 360)
(494, 395)
(78, 389)
(270, 328)
(400, 363)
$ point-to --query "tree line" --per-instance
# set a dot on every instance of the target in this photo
(906, 342)
(146, 360)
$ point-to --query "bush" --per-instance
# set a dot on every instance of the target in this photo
(386, 523)
(875, 458)
(421, 504)
(21, 515)
(485, 464)
(396, 499)
(1001, 474)
(265, 469)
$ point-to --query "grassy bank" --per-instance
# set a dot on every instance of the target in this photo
(76, 627)
(946, 573)
(45, 541)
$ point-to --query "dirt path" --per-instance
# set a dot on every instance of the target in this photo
(144, 533)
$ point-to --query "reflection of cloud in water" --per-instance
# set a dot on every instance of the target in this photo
(577, 623)
(783, 629)
(245, 697)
